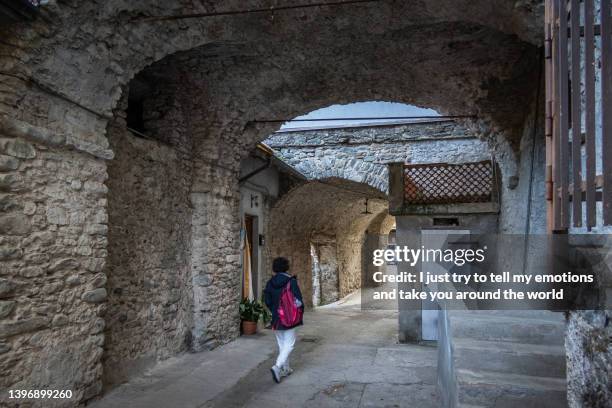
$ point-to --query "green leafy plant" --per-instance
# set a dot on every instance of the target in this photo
(254, 311)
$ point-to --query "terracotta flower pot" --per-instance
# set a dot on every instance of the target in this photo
(249, 327)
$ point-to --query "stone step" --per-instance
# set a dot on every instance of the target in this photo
(497, 390)
(507, 357)
(506, 328)
(522, 314)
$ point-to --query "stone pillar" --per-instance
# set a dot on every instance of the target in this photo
(53, 238)
(328, 270)
(149, 313)
(329, 274)
(587, 344)
(410, 311)
(316, 277)
(372, 242)
(215, 260)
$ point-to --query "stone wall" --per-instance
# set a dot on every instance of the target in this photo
(357, 155)
(377, 237)
(589, 353)
(351, 238)
(149, 255)
(63, 75)
(52, 254)
(360, 154)
(480, 62)
(324, 217)
(215, 256)
(522, 171)
(329, 211)
(325, 285)
(206, 157)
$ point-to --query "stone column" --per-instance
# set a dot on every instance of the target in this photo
(215, 260)
(325, 247)
(316, 277)
(410, 311)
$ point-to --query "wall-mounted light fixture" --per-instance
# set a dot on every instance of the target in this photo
(254, 201)
(366, 208)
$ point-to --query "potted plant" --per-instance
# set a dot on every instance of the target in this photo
(251, 312)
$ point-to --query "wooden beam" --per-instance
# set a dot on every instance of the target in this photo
(396, 188)
(576, 105)
(589, 96)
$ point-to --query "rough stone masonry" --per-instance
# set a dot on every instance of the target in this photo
(350, 164)
(361, 153)
(65, 223)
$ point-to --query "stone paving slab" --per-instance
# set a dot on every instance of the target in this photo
(191, 379)
(344, 357)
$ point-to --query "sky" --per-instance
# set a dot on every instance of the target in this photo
(360, 109)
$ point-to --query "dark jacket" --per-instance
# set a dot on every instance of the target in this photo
(272, 294)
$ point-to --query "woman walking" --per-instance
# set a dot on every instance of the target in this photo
(284, 299)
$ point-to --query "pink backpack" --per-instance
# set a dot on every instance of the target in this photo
(289, 315)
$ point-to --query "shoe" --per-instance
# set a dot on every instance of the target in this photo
(276, 373)
(285, 371)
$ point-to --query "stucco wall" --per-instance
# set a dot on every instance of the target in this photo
(257, 195)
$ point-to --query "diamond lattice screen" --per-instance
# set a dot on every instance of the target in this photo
(443, 183)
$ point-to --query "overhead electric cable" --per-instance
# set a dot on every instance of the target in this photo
(364, 118)
(251, 11)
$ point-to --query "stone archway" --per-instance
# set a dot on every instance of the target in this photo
(361, 153)
(196, 111)
(109, 47)
(62, 83)
(328, 216)
(377, 237)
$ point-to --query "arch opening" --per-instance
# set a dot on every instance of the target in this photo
(320, 227)
(171, 250)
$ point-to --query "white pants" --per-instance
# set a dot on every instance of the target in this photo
(286, 341)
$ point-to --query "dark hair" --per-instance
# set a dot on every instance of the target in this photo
(280, 265)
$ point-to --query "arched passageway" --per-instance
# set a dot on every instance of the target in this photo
(135, 238)
(171, 97)
(320, 228)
